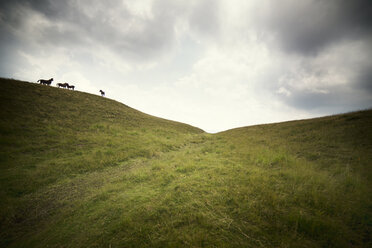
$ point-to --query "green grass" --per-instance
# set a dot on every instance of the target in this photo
(78, 170)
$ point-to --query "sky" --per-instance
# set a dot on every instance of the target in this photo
(214, 64)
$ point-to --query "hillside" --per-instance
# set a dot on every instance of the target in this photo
(79, 170)
(50, 131)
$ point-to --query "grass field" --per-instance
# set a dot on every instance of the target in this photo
(79, 170)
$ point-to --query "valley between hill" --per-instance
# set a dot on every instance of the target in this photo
(79, 170)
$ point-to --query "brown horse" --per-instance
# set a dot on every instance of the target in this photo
(71, 87)
(46, 82)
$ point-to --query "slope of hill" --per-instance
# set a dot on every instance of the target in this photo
(78, 170)
(52, 132)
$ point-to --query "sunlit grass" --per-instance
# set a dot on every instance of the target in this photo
(85, 171)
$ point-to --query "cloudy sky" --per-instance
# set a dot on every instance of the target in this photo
(214, 64)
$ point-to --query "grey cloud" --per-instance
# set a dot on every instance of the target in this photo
(8, 60)
(306, 27)
(110, 24)
(107, 23)
(338, 99)
(327, 97)
(311, 31)
(205, 18)
(336, 81)
(50, 8)
(364, 79)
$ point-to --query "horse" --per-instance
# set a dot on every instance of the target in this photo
(102, 92)
(71, 87)
(64, 85)
(46, 82)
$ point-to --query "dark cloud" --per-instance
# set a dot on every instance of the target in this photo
(323, 94)
(337, 79)
(8, 60)
(336, 100)
(109, 24)
(364, 79)
(306, 27)
(106, 23)
(329, 44)
(9, 47)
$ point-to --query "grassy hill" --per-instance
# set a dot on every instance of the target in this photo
(79, 170)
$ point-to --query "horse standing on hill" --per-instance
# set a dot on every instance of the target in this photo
(71, 87)
(64, 85)
(102, 92)
(46, 82)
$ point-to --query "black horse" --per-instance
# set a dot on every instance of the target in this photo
(71, 87)
(46, 82)
(64, 85)
(102, 92)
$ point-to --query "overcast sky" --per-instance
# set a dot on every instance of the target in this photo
(214, 64)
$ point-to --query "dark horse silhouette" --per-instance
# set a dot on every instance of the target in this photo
(102, 92)
(46, 82)
(64, 85)
(71, 87)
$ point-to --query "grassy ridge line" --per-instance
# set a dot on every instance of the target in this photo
(24, 92)
(132, 181)
(340, 141)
